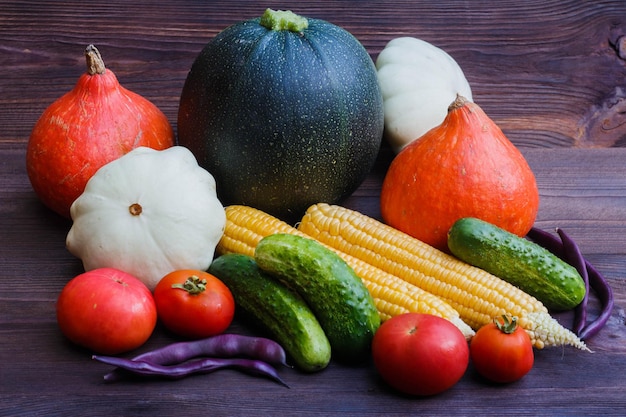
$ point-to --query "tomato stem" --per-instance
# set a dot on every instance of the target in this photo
(506, 324)
(193, 285)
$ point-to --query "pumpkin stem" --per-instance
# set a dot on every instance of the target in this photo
(283, 20)
(95, 64)
(193, 285)
(458, 102)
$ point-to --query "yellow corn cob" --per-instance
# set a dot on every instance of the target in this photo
(246, 226)
(477, 295)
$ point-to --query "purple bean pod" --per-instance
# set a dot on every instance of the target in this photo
(547, 240)
(220, 346)
(576, 259)
(597, 282)
(198, 366)
(225, 345)
(605, 294)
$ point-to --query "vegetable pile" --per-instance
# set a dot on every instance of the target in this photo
(194, 235)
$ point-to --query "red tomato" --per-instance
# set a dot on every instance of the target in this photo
(501, 351)
(107, 311)
(194, 304)
(420, 354)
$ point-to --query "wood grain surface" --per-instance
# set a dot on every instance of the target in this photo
(551, 74)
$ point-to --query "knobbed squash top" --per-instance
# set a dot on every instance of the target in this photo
(283, 20)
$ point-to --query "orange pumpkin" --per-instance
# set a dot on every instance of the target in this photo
(94, 123)
(465, 167)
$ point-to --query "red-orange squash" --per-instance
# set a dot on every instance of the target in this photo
(465, 167)
(94, 123)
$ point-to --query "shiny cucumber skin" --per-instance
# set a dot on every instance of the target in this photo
(275, 308)
(335, 293)
(524, 264)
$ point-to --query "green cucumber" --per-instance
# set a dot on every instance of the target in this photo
(519, 261)
(335, 293)
(275, 308)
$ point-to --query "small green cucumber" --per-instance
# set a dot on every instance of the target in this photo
(518, 261)
(277, 309)
(335, 293)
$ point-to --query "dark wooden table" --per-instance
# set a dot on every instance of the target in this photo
(550, 73)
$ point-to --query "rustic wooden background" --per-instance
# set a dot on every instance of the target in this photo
(552, 75)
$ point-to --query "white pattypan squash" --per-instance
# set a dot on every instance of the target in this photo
(419, 81)
(148, 213)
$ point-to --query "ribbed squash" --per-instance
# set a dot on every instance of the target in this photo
(94, 123)
(465, 167)
(284, 111)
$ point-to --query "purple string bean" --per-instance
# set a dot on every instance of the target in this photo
(220, 346)
(571, 251)
(223, 346)
(547, 240)
(596, 281)
(198, 366)
(605, 294)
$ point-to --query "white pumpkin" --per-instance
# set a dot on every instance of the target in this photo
(148, 213)
(419, 81)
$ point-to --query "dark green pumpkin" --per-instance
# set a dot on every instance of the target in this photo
(283, 118)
